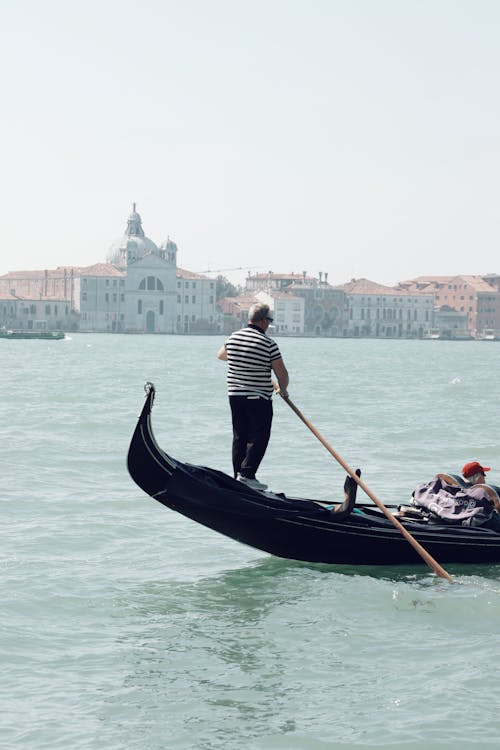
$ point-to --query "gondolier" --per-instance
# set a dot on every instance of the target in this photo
(252, 356)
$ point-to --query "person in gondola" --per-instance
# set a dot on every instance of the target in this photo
(252, 357)
(474, 473)
(469, 502)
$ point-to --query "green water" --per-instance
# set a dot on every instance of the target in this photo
(124, 625)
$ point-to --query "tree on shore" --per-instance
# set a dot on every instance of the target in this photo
(224, 288)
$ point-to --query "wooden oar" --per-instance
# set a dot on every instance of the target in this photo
(438, 570)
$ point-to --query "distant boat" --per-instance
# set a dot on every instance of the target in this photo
(433, 333)
(19, 334)
(488, 335)
(449, 334)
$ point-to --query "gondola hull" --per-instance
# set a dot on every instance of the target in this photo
(293, 528)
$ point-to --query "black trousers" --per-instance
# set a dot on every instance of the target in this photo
(252, 418)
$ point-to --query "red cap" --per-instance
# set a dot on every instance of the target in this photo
(474, 468)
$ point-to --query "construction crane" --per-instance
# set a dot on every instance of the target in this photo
(235, 268)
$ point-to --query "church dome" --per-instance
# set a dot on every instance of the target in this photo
(133, 245)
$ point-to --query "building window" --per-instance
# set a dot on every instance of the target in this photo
(139, 306)
(151, 283)
(47, 309)
(186, 298)
(193, 299)
(178, 299)
(161, 307)
(211, 299)
(106, 297)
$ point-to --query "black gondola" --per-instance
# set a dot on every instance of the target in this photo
(295, 528)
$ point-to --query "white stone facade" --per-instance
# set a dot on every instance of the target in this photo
(196, 303)
(138, 290)
(100, 299)
(150, 298)
(375, 311)
(288, 312)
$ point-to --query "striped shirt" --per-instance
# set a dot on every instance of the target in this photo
(249, 356)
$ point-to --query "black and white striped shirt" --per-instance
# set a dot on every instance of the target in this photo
(249, 356)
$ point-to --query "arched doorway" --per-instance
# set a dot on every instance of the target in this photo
(150, 321)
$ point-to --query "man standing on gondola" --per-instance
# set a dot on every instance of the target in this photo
(252, 356)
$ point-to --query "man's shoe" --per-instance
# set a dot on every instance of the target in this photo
(253, 483)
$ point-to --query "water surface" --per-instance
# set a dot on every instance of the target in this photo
(125, 625)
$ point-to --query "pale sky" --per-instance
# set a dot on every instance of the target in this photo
(356, 137)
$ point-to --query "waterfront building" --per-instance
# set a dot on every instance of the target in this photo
(8, 309)
(450, 324)
(38, 300)
(159, 297)
(478, 297)
(287, 309)
(196, 303)
(138, 290)
(234, 311)
(375, 310)
(322, 313)
(149, 294)
(324, 307)
(100, 298)
(488, 311)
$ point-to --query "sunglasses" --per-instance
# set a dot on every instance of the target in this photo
(270, 319)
